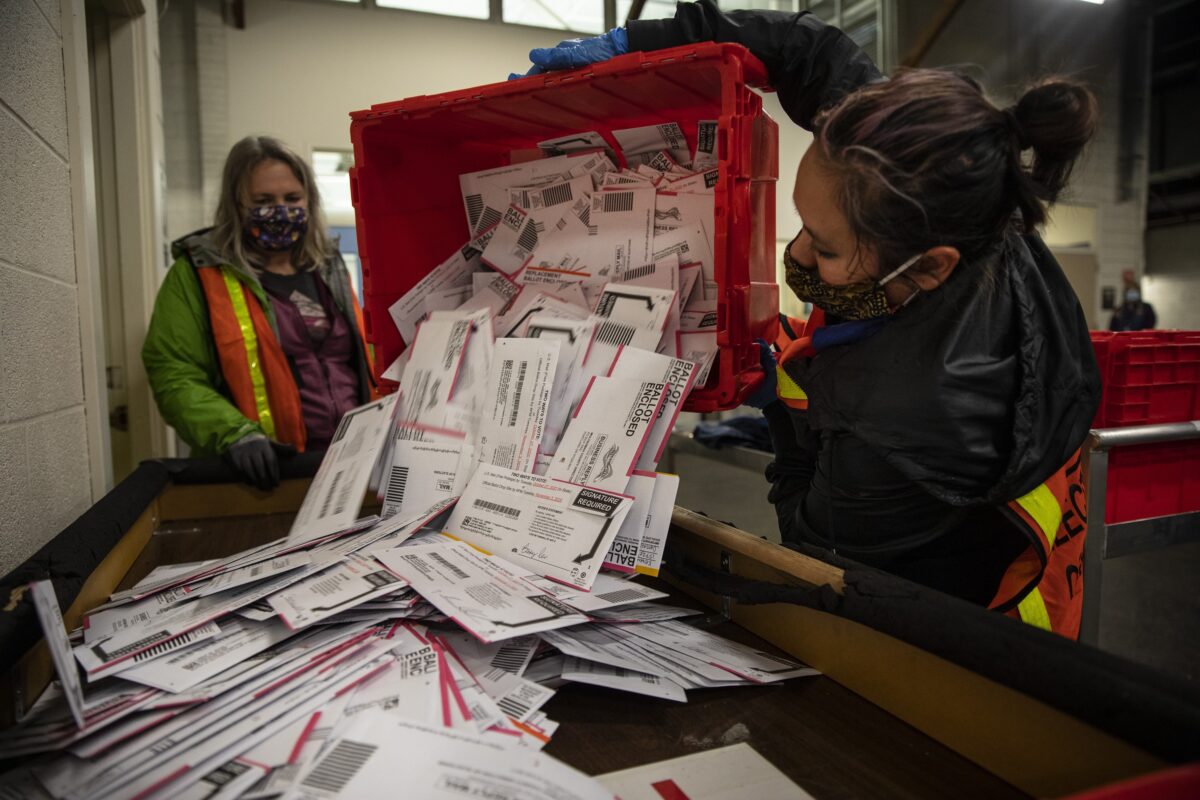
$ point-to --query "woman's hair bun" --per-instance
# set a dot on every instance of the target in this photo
(1056, 118)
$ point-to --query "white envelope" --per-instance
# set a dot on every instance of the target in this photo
(651, 138)
(608, 433)
(633, 315)
(625, 680)
(486, 595)
(439, 765)
(705, 156)
(699, 182)
(45, 603)
(238, 641)
(548, 527)
(607, 592)
(340, 587)
(550, 195)
(517, 402)
(678, 375)
(699, 346)
(622, 554)
(573, 338)
(675, 210)
(337, 490)
(658, 524)
(692, 243)
(425, 471)
(531, 303)
(454, 272)
(495, 182)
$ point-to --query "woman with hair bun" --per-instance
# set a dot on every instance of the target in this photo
(929, 414)
(255, 346)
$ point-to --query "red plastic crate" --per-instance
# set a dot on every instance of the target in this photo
(408, 156)
(1150, 377)
(1153, 480)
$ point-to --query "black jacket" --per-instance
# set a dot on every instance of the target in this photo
(966, 399)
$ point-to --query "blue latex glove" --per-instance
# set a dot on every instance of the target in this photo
(765, 394)
(577, 53)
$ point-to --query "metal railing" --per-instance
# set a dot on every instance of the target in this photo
(1105, 540)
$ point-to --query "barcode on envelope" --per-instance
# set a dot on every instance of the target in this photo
(453, 570)
(553, 195)
(474, 209)
(397, 483)
(528, 239)
(343, 498)
(618, 201)
(639, 272)
(510, 657)
(329, 496)
(337, 769)
(621, 595)
(507, 511)
(513, 707)
(165, 647)
(516, 400)
(615, 333)
(489, 218)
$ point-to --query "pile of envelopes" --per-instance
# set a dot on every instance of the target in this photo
(515, 467)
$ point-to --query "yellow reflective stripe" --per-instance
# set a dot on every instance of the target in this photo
(787, 388)
(1043, 507)
(1033, 610)
(250, 339)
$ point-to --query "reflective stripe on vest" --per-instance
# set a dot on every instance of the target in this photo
(1033, 610)
(237, 297)
(1043, 507)
(1043, 586)
(258, 378)
(788, 390)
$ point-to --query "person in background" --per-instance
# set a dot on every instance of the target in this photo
(928, 418)
(255, 346)
(1133, 314)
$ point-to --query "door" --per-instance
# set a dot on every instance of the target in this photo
(127, 141)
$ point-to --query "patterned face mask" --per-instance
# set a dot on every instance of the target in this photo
(864, 300)
(276, 228)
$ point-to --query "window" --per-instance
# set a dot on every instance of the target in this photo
(332, 171)
(473, 9)
(584, 16)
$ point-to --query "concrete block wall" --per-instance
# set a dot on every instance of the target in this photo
(44, 470)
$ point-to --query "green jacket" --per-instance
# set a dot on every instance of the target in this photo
(181, 358)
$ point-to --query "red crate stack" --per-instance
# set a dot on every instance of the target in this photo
(408, 156)
(1150, 377)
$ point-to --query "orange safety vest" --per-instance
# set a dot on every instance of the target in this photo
(794, 339)
(252, 360)
(1043, 587)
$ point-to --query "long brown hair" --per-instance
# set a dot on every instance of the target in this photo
(232, 208)
(925, 159)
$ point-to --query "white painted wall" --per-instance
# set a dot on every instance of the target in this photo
(299, 68)
(45, 478)
(1172, 280)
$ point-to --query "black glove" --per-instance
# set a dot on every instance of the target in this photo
(256, 458)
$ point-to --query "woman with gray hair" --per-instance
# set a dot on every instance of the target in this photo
(255, 346)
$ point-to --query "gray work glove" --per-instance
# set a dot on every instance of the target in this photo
(256, 459)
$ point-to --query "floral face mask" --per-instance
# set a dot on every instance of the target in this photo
(276, 228)
(862, 300)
